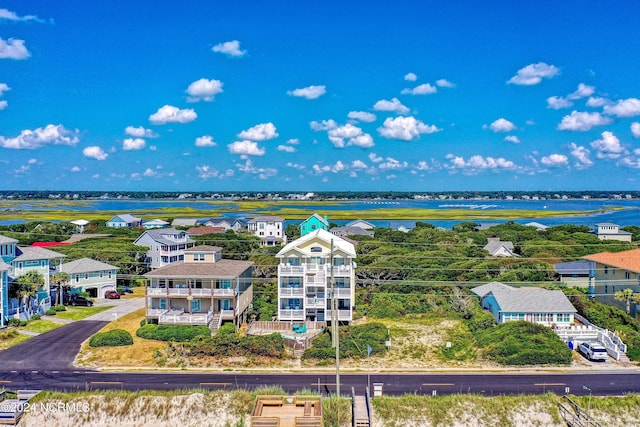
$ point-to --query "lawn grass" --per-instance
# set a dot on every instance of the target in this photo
(41, 326)
(79, 313)
(140, 354)
(11, 337)
(138, 292)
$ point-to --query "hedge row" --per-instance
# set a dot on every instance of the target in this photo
(113, 338)
(176, 333)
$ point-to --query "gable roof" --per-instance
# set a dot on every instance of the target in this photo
(158, 235)
(205, 229)
(351, 231)
(528, 300)
(126, 218)
(360, 223)
(85, 265)
(204, 248)
(536, 225)
(493, 246)
(317, 217)
(266, 218)
(4, 240)
(32, 253)
(224, 268)
(338, 242)
(628, 260)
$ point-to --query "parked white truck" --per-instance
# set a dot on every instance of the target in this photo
(593, 351)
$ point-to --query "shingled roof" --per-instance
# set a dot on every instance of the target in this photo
(627, 260)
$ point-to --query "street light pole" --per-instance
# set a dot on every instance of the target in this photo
(334, 322)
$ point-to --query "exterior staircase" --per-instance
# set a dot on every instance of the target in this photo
(216, 321)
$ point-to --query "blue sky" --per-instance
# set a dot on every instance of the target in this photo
(319, 95)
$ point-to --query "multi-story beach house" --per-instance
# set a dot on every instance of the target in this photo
(202, 289)
(16, 261)
(166, 245)
(313, 223)
(611, 272)
(91, 276)
(270, 230)
(609, 231)
(305, 272)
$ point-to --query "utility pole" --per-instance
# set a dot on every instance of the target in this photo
(334, 323)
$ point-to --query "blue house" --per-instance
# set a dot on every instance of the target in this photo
(313, 223)
(124, 220)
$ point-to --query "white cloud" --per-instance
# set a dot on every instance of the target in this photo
(231, 48)
(293, 141)
(631, 161)
(49, 135)
(405, 128)
(246, 148)
(133, 144)
(287, 148)
(444, 83)
(533, 74)
(204, 90)
(477, 164)
(608, 147)
(150, 173)
(635, 129)
(263, 173)
(375, 158)
(558, 102)
(171, 114)
(205, 141)
(410, 77)
(75, 169)
(597, 102)
(502, 125)
(309, 92)
(349, 134)
(358, 164)
(3, 105)
(582, 92)
(423, 89)
(394, 105)
(554, 160)
(12, 16)
(583, 121)
(362, 116)
(391, 163)
(3, 88)
(296, 166)
(512, 138)
(95, 152)
(581, 154)
(260, 132)
(207, 172)
(140, 132)
(624, 108)
(13, 49)
(323, 125)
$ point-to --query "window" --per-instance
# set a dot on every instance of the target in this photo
(606, 269)
(316, 249)
(627, 275)
(293, 260)
(198, 257)
(109, 274)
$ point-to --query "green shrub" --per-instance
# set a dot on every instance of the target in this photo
(59, 308)
(51, 312)
(35, 317)
(113, 338)
(481, 319)
(353, 342)
(16, 322)
(177, 333)
(523, 343)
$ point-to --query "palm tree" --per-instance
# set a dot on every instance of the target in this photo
(26, 286)
(627, 296)
(61, 279)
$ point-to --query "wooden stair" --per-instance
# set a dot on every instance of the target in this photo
(216, 320)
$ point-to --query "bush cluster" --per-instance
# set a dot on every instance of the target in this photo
(176, 333)
(16, 322)
(51, 312)
(113, 338)
(523, 343)
(353, 342)
(227, 342)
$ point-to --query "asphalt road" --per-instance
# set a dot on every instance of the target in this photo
(54, 350)
(599, 384)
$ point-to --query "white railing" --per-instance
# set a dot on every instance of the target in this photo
(156, 291)
(342, 292)
(290, 314)
(342, 270)
(344, 315)
(185, 319)
(288, 292)
(314, 303)
(224, 292)
(178, 291)
(614, 345)
(154, 312)
(228, 314)
(201, 292)
(286, 269)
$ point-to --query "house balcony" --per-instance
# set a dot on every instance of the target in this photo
(178, 317)
(315, 303)
(290, 314)
(342, 292)
(195, 292)
(291, 292)
(155, 312)
(290, 270)
(343, 315)
(228, 314)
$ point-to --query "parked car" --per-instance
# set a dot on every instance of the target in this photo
(593, 351)
(111, 295)
(79, 300)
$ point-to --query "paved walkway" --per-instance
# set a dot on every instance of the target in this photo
(122, 307)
